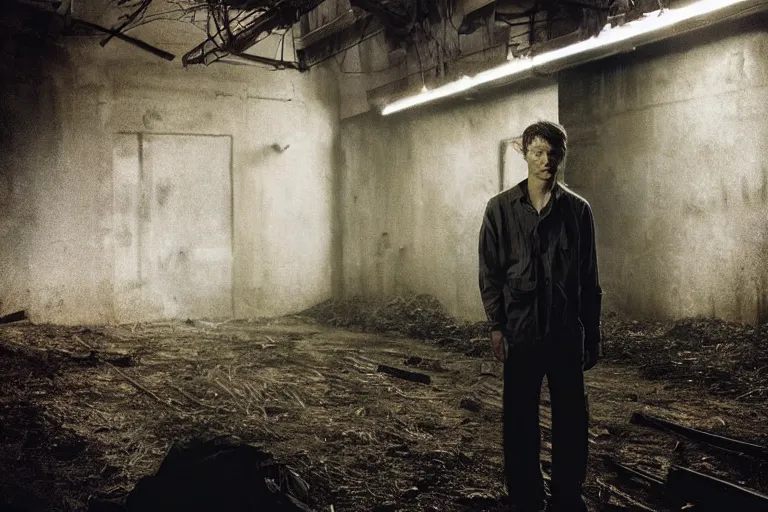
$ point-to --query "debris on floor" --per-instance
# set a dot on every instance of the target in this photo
(726, 358)
(87, 412)
(419, 316)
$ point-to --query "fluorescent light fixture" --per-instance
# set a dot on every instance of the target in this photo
(607, 38)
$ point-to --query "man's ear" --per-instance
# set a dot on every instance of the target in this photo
(517, 145)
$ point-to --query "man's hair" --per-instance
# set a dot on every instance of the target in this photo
(550, 132)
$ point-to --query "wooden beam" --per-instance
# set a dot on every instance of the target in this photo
(128, 39)
(404, 374)
(649, 480)
(18, 316)
(633, 503)
(343, 22)
(734, 445)
(333, 43)
(712, 493)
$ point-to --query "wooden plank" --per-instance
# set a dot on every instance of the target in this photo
(343, 22)
(652, 481)
(404, 374)
(13, 317)
(469, 6)
(633, 503)
(734, 445)
(712, 493)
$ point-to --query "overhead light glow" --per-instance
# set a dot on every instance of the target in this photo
(608, 37)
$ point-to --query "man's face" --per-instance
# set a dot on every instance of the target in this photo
(543, 161)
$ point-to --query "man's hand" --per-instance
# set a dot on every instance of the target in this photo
(590, 358)
(497, 342)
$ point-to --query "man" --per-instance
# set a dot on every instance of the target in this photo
(540, 290)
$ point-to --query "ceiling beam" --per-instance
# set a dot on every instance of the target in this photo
(350, 30)
(342, 22)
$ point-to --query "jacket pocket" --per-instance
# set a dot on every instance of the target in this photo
(519, 296)
(519, 290)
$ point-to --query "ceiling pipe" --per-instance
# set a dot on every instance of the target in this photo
(652, 27)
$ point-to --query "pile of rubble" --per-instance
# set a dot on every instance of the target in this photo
(726, 358)
(421, 317)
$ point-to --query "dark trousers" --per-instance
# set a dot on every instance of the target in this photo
(524, 371)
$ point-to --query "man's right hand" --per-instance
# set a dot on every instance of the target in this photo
(497, 342)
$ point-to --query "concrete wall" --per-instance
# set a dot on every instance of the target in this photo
(414, 187)
(670, 144)
(65, 107)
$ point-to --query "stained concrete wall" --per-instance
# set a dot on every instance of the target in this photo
(671, 146)
(65, 105)
(414, 187)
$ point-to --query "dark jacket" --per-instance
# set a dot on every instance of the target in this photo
(538, 272)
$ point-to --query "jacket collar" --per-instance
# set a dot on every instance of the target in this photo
(520, 191)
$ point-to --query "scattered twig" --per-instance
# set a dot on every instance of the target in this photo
(646, 478)
(748, 393)
(130, 379)
(230, 393)
(192, 398)
(414, 397)
(623, 495)
(295, 395)
(101, 413)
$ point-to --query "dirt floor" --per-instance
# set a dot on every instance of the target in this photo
(86, 411)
